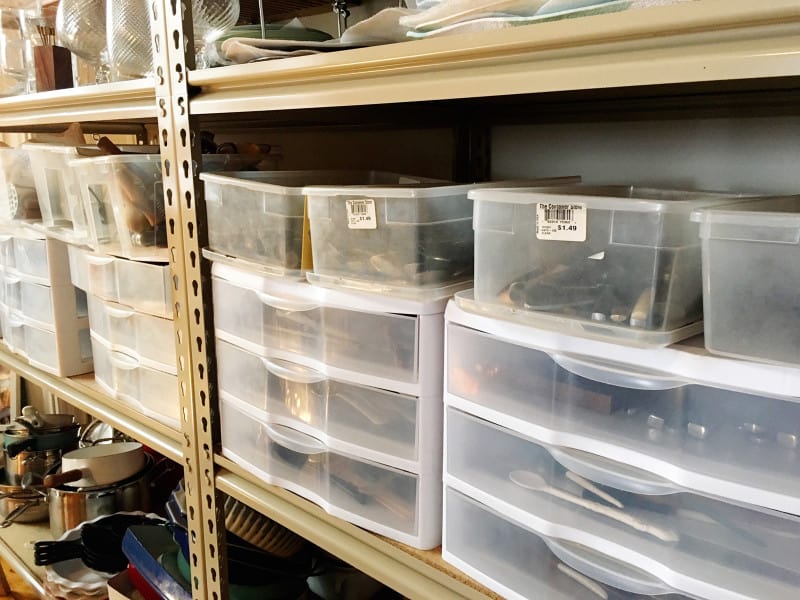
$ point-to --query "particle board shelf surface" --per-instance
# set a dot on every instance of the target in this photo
(84, 393)
(16, 548)
(705, 41)
(129, 100)
(412, 572)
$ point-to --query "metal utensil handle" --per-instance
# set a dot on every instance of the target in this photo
(14, 514)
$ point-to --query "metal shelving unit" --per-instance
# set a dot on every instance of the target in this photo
(719, 45)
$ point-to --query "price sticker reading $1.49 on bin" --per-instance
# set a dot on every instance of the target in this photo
(361, 213)
(563, 222)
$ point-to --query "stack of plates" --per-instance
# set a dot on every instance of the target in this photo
(276, 32)
(73, 580)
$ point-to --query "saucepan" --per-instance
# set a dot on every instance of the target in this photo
(70, 506)
(45, 432)
(22, 505)
(98, 465)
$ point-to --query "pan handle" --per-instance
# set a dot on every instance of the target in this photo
(15, 448)
(14, 514)
(57, 479)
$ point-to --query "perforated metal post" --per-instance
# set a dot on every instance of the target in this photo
(186, 235)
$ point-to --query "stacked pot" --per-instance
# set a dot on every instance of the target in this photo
(32, 446)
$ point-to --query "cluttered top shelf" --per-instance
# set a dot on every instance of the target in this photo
(706, 41)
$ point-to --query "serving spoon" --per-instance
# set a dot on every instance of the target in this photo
(535, 482)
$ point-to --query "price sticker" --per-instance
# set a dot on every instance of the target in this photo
(563, 222)
(361, 214)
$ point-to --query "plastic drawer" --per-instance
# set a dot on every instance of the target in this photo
(123, 197)
(724, 442)
(57, 188)
(153, 392)
(142, 286)
(65, 353)
(35, 258)
(516, 562)
(42, 305)
(615, 262)
(148, 339)
(18, 199)
(374, 340)
(401, 505)
(394, 429)
(663, 542)
(751, 274)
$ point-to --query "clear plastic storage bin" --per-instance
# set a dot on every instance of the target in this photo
(398, 504)
(394, 235)
(142, 286)
(515, 562)
(604, 512)
(258, 216)
(751, 276)
(64, 354)
(403, 431)
(379, 341)
(148, 339)
(123, 377)
(18, 198)
(123, 197)
(57, 188)
(615, 262)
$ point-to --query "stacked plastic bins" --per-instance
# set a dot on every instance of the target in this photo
(119, 259)
(44, 317)
(609, 463)
(335, 392)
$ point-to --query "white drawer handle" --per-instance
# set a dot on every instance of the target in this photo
(15, 321)
(119, 313)
(123, 361)
(294, 440)
(618, 375)
(10, 279)
(292, 372)
(611, 473)
(286, 304)
(98, 260)
(606, 569)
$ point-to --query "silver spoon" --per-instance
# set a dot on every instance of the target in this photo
(534, 481)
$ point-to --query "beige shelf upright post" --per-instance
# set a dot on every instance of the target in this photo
(172, 27)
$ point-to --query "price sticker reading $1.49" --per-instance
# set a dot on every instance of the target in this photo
(563, 222)
(361, 213)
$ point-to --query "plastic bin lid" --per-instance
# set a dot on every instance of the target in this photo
(610, 197)
(323, 181)
(768, 211)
